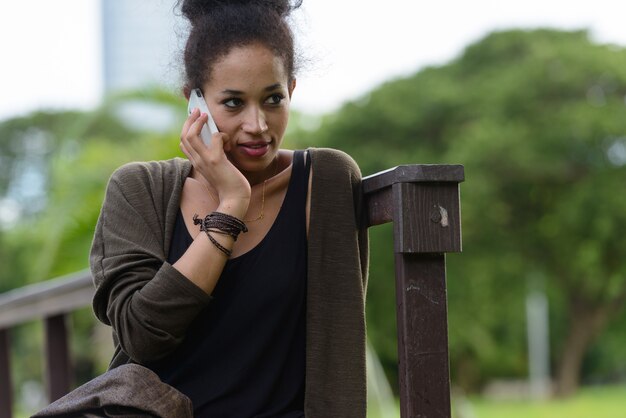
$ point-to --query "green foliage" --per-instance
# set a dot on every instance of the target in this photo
(538, 120)
(381, 312)
(83, 149)
(606, 362)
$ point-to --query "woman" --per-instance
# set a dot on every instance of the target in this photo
(238, 274)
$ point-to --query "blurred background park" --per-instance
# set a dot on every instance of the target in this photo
(530, 97)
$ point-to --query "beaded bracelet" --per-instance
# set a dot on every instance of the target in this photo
(220, 223)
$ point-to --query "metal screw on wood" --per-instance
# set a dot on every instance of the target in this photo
(439, 215)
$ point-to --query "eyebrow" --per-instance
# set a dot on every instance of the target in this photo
(232, 92)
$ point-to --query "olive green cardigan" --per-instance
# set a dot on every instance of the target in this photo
(149, 304)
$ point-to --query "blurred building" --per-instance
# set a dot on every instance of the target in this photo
(141, 47)
(140, 43)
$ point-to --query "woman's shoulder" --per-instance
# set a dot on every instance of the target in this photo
(333, 161)
(154, 170)
(138, 181)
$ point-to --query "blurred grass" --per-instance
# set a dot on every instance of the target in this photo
(378, 412)
(590, 402)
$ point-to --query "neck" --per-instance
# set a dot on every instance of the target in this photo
(255, 178)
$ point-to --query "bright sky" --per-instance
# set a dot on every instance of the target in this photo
(51, 49)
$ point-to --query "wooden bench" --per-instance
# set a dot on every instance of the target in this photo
(423, 203)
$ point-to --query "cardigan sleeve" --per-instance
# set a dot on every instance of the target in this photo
(148, 303)
(336, 288)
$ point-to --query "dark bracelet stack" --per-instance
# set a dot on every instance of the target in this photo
(220, 223)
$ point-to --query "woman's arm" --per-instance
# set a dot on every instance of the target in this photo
(203, 262)
(146, 300)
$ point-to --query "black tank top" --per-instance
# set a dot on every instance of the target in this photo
(244, 355)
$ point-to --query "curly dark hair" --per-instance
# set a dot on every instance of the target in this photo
(217, 26)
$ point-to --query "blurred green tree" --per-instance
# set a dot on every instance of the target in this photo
(81, 150)
(538, 118)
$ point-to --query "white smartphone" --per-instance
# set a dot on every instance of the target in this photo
(196, 100)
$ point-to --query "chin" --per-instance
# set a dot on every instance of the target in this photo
(253, 162)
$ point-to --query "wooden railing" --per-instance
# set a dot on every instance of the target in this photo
(51, 301)
(423, 203)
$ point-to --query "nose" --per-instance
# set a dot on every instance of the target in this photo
(255, 122)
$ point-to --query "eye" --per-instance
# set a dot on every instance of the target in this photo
(233, 103)
(275, 99)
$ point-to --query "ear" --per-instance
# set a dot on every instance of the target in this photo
(292, 86)
(186, 92)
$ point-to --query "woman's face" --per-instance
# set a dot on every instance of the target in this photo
(249, 95)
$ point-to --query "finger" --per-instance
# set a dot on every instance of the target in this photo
(189, 155)
(193, 134)
(182, 147)
(189, 121)
(193, 142)
(188, 148)
(224, 140)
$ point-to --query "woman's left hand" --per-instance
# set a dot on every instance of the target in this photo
(212, 163)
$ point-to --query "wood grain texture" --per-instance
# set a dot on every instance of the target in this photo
(57, 357)
(422, 336)
(414, 173)
(426, 217)
(48, 298)
(6, 390)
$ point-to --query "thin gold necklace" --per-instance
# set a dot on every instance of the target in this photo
(262, 213)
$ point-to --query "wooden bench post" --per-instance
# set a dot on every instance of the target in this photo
(58, 376)
(423, 203)
(6, 395)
